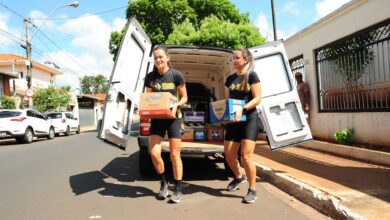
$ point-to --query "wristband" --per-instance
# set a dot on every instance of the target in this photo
(244, 111)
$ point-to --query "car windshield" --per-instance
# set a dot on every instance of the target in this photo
(54, 115)
(9, 114)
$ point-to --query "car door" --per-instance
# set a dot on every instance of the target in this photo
(72, 121)
(41, 124)
(126, 84)
(280, 109)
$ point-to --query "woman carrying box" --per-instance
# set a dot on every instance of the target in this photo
(244, 84)
(164, 78)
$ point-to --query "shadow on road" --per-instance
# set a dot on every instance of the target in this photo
(114, 178)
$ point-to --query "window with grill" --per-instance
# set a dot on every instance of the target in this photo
(354, 73)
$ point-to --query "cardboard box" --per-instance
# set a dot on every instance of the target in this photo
(200, 134)
(215, 134)
(191, 116)
(223, 111)
(156, 105)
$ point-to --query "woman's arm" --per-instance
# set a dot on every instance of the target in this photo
(183, 94)
(227, 93)
(256, 93)
(148, 89)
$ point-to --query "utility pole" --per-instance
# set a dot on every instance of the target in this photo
(274, 20)
(28, 63)
(28, 56)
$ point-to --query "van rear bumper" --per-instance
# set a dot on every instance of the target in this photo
(199, 148)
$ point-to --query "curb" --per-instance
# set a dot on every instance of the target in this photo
(316, 198)
(371, 156)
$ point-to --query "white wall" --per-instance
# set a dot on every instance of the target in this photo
(369, 127)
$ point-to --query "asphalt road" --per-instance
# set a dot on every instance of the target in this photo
(81, 177)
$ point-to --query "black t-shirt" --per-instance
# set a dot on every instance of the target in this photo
(167, 82)
(233, 82)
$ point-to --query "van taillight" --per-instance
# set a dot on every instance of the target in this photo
(144, 127)
(63, 120)
(20, 119)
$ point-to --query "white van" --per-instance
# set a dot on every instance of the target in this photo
(205, 70)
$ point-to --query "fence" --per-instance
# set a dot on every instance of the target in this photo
(354, 73)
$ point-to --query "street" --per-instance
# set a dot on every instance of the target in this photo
(81, 177)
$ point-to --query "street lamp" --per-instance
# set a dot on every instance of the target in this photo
(74, 4)
(54, 64)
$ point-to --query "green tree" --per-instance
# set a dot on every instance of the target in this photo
(159, 17)
(7, 103)
(51, 98)
(94, 84)
(216, 32)
(66, 88)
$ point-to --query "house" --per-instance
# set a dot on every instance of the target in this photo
(13, 70)
(344, 58)
(89, 109)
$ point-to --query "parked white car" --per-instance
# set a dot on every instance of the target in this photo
(64, 122)
(24, 124)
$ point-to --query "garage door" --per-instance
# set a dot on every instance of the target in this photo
(87, 116)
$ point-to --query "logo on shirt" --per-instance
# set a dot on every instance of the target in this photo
(155, 85)
(168, 86)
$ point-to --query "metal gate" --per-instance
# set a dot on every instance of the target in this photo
(86, 116)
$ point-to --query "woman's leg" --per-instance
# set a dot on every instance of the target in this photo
(177, 165)
(231, 150)
(155, 153)
(247, 148)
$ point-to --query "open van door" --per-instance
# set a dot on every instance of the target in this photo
(280, 108)
(126, 84)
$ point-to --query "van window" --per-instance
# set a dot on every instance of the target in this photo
(273, 75)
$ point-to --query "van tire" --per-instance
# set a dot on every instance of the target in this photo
(145, 164)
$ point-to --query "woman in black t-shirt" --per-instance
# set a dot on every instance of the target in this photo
(244, 84)
(166, 79)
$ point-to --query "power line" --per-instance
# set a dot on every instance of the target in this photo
(97, 13)
(61, 50)
(13, 11)
(20, 41)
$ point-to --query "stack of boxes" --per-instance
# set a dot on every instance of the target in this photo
(159, 105)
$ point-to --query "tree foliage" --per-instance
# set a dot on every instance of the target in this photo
(159, 18)
(216, 32)
(7, 103)
(94, 84)
(51, 98)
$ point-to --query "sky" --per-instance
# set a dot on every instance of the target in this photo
(76, 39)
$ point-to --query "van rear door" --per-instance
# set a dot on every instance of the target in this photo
(280, 109)
(126, 84)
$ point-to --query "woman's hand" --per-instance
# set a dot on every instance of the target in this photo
(174, 110)
(238, 115)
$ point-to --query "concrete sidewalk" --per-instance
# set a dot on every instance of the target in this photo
(336, 186)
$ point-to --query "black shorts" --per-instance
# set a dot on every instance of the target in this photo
(242, 130)
(161, 126)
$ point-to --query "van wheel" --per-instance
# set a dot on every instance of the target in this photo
(51, 133)
(28, 136)
(78, 130)
(145, 164)
(67, 132)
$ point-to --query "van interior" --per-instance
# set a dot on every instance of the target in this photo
(205, 71)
